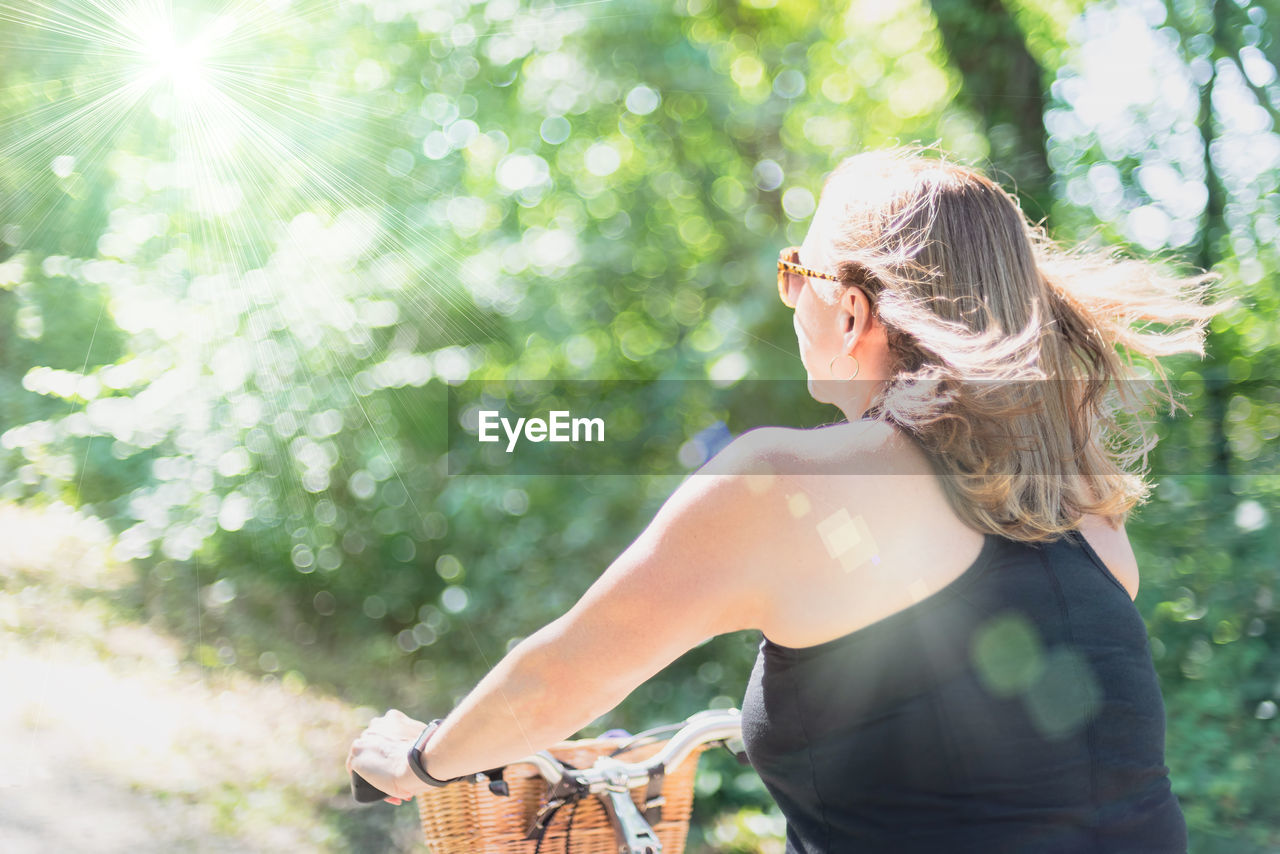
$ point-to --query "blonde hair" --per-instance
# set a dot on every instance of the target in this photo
(1002, 342)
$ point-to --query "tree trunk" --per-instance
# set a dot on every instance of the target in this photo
(1217, 390)
(1004, 86)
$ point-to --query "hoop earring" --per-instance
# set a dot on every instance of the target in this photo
(831, 367)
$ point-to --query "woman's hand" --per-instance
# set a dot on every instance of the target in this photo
(381, 755)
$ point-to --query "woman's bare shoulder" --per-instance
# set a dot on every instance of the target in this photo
(833, 448)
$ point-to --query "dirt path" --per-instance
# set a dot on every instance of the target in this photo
(111, 743)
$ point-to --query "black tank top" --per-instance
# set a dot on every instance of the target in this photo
(1013, 711)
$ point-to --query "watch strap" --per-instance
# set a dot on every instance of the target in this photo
(415, 756)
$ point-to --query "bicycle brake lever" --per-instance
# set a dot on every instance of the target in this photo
(365, 792)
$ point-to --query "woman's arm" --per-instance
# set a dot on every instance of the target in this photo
(689, 576)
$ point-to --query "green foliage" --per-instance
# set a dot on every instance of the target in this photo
(1211, 617)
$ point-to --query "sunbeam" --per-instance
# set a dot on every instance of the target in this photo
(258, 134)
(182, 64)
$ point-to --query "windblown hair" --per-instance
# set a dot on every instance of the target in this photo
(1002, 343)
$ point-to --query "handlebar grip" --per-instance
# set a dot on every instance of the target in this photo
(365, 792)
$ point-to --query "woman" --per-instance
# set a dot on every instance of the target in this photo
(951, 659)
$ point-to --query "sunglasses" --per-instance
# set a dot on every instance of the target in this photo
(791, 276)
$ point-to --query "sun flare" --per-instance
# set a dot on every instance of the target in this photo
(169, 60)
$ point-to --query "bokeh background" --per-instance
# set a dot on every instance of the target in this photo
(246, 245)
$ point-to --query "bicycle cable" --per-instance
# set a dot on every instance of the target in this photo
(568, 828)
(647, 734)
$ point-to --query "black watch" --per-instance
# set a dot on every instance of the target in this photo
(415, 756)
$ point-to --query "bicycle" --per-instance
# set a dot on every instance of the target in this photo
(516, 814)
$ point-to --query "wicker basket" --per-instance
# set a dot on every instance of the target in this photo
(466, 818)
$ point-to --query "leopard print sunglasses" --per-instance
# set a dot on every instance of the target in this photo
(791, 276)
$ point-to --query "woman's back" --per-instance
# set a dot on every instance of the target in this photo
(1013, 710)
(932, 701)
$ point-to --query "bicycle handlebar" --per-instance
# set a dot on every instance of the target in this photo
(699, 728)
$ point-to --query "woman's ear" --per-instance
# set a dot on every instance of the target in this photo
(855, 314)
